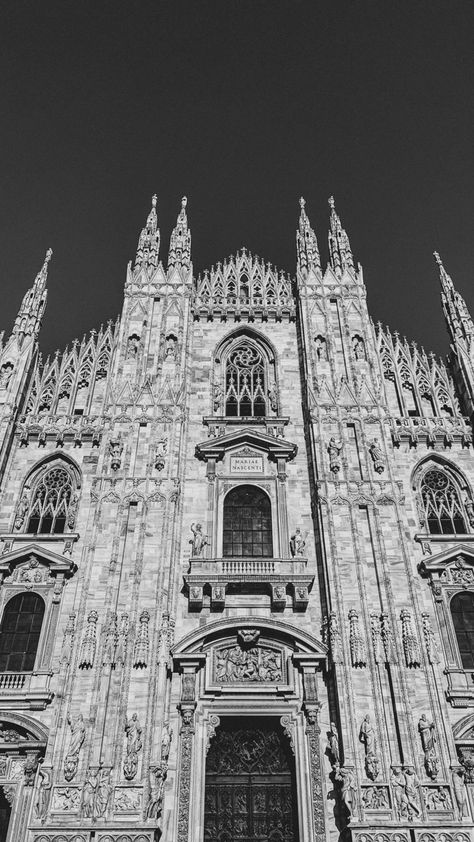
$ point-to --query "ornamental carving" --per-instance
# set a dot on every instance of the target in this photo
(437, 798)
(232, 664)
(78, 733)
(427, 734)
(66, 799)
(127, 800)
(411, 646)
(133, 733)
(140, 652)
(375, 798)
(356, 640)
(89, 642)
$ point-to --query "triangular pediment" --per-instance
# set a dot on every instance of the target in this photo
(216, 448)
(459, 555)
(34, 556)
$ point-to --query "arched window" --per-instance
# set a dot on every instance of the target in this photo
(247, 523)
(20, 631)
(52, 504)
(462, 612)
(442, 505)
(245, 381)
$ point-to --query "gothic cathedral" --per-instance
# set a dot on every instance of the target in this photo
(237, 562)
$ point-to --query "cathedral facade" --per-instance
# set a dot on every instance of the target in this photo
(237, 562)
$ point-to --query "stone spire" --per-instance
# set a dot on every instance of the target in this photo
(458, 318)
(340, 252)
(180, 240)
(306, 243)
(149, 241)
(28, 320)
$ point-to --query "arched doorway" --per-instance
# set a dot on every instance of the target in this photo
(250, 791)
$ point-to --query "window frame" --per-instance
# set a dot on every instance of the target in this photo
(261, 346)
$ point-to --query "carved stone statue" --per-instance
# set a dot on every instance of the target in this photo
(412, 786)
(358, 347)
(157, 775)
(334, 450)
(78, 733)
(89, 792)
(334, 744)
(321, 348)
(103, 792)
(345, 775)
(133, 344)
(161, 449)
(198, 541)
(368, 737)
(427, 734)
(22, 510)
(297, 543)
(171, 345)
(133, 733)
(273, 398)
(6, 372)
(469, 506)
(166, 737)
(459, 790)
(377, 456)
(44, 792)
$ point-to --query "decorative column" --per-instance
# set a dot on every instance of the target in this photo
(188, 666)
(308, 666)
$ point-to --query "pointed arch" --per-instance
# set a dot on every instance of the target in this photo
(440, 486)
(245, 375)
(49, 499)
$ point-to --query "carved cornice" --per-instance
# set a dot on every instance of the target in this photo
(276, 448)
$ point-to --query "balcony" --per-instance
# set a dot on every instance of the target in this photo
(209, 581)
(25, 690)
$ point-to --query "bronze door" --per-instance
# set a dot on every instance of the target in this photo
(250, 792)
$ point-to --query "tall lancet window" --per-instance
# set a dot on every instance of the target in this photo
(442, 505)
(53, 503)
(247, 523)
(462, 612)
(245, 381)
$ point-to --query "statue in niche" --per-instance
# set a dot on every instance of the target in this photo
(157, 784)
(198, 541)
(166, 737)
(133, 733)
(459, 789)
(358, 347)
(78, 733)
(171, 347)
(22, 510)
(273, 398)
(6, 372)
(334, 450)
(297, 543)
(89, 791)
(334, 744)
(368, 737)
(377, 456)
(321, 348)
(133, 344)
(427, 734)
(469, 506)
(345, 776)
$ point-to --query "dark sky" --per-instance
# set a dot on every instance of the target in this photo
(242, 106)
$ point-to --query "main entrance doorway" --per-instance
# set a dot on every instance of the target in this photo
(250, 784)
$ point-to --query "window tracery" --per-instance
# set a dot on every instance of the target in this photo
(50, 507)
(443, 511)
(245, 382)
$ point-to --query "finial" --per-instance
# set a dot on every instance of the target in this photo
(331, 202)
(302, 203)
(437, 258)
(154, 199)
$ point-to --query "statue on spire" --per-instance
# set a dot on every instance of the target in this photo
(180, 240)
(306, 243)
(456, 313)
(340, 252)
(28, 320)
(149, 241)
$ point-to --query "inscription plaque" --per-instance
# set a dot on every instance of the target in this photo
(246, 464)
